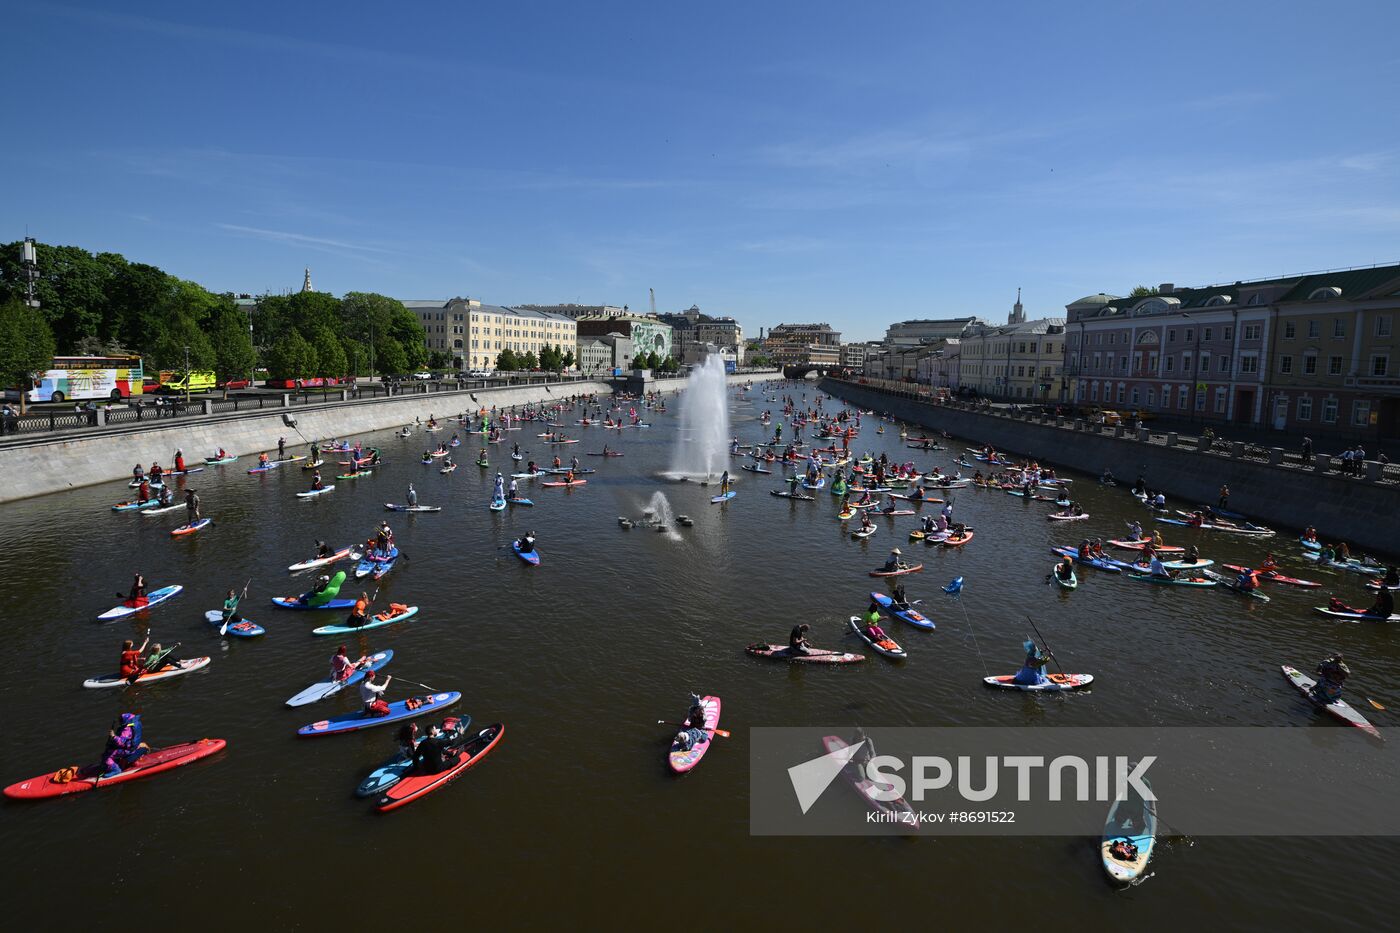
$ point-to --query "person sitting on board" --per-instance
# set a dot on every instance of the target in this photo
(1135, 531)
(124, 745)
(1159, 502)
(1065, 570)
(342, 667)
(890, 505)
(1193, 555)
(1384, 606)
(894, 562)
(138, 472)
(1155, 568)
(323, 582)
(1332, 672)
(158, 660)
(1032, 672)
(1310, 534)
(143, 492)
(436, 752)
(531, 468)
(865, 523)
(372, 694)
(928, 524)
(872, 623)
(1247, 581)
(1269, 565)
(155, 472)
(692, 731)
(916, 494)
(527, 543)
(323, 550)
(179, 461)
(231, 616)
(263, 460)
(131, 666)
(136, 598)
(797, 640)
(316, 483)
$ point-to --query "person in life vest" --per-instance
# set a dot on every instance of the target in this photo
(136, 598)
(166, 496)
(372, 694)
(143, 492)
(359, 614)
(124, 745)
(1065, 570)
(1269, 565)
(131, 658)
(179, 461)
(263, 460)
(872, 623)
(155, 473)
(1247, 581)
(1032, 672)
(342, 667)
(1332, 672)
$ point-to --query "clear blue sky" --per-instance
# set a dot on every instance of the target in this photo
(854, 163)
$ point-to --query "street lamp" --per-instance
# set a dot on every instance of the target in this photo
(187, 376)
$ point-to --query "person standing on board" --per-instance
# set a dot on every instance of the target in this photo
(191, 507)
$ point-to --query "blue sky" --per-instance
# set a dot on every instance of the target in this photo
(854, 163)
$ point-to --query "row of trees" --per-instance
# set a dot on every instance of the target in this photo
(551, 359)
(99, 304)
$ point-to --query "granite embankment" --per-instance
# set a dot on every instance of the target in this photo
(37, 466)
(1360, 510)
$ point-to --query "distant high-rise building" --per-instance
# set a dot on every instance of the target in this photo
(306, 282)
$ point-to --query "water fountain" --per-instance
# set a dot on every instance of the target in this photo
(702, 443)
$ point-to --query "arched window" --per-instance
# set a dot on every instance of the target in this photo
(1216, 301)
(1325, 293)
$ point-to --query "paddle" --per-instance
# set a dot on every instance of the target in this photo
(229, 613)
(722, 733)
(1046, 644)
(1374, 703)
(417, 684)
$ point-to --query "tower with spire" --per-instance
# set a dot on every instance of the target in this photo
(306, 283)
(1018, 313)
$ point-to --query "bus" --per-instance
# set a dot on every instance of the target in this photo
(88, 377)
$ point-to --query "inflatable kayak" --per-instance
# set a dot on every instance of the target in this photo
(186, 666)
(313, 493)
(153, 598)
(413, 786)
(910, 615)
(872, 793)
(1055, 682)
(531, 557)
(315, 562)
(378, 620)
(1355, 616)
(1171, 581)
(813, 656)
(399, 710)
(329, 688)
(683, 760)
(915, 568)
(90, 777)
(1128, 836)
(886, 646)
(191, 528)
(244, 628)
(1340, 708)
(133, 505)
(391, 507)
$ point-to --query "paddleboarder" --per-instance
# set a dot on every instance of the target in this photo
(1032, 672)
(872, 622)
(797, 640)
(372, 694)
(1332, 672)
(136, 598)
(231, 616)
(359, 615)
(895, 561)
(131, 658)
(316, 484)
(191, 507)
(342, 667)
(124, 745)
(412, 497)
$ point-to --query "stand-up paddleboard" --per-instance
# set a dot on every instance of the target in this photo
(1055, 682)
(398, 711)
(191, 528)
(313, 493)
(90, 777)
(683, 760)
(813, 655)
(886, 646)
(379, 620)
(329, 688)
(910, 615)
(1128, 836)
(1340, 708)
(414, 786)
(187, 666)
(244, 628)
(154, 598)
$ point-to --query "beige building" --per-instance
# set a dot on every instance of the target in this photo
(789, 344)
(474, 334)
(1020, 362)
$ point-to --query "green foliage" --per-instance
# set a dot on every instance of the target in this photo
(568, 359)
(26, 345)
(549, 358)
(1142, 291)
(177, 333)
(439, 360)
(234, 357)
(528, 361)
(291, 357)
(330, 355)
(670, 365)
(389, 357)
(507, 361)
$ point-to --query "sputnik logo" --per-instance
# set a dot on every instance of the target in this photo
(811, 778)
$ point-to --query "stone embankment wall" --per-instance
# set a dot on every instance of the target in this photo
(1361, 510)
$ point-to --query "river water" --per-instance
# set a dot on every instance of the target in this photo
(574, 816)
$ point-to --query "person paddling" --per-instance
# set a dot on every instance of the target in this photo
(1332, 672)
(316, 483)
(359, 614)
(1032, 672)
(372, 695)
(192, 513)
(342, 667)
(231, 616)
(136, 598)
(895, 561)
(872, 623)
(1064, 570)
(131, 666)
(724, 483)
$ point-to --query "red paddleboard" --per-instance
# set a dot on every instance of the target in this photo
(1139, 545)
(577, 482)
(413, 786)
(1275, 576)
(957, 541)
(89, 777)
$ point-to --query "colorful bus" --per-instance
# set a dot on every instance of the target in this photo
(89, 377)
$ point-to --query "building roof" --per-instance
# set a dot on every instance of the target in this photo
(1353, 283)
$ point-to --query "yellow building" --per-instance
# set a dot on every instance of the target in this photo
(474, 334)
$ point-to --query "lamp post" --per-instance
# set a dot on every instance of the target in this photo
(187, 376)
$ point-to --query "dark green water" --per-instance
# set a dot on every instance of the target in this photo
(574, 819)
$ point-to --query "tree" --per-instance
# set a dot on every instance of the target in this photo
(330, 355)
(528, 361)
(291, 357)
(549, 358)
(438, 360)
(506, 361)
(26, 347)
(1142, 291)
(180, 332)
(670, 365)
(234, 356)
(567, 360)
(389, 357)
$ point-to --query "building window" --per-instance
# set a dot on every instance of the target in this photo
(1200, 401)
(1339, 327)
(1123, 365)
(1383, 325)
(1361, 413)
(1136, 397)
(1285, 365)
(1313, 329)
(1224, 366)
(1309, 364)
(1380, 364)
(1205, 334)
(1334, 366)
(1305, 409)
(1204, 363)
(1181, 397)
(1189, 334)
(1229, 333)
(1290, 330)
(1251, 331)
(1112, 338)
(1171, 363)
(1094, 392)
(1329, 411)
(1171, 335)
(1249, 364)
(1220, 401)
(1151, 398)
(1120, 393)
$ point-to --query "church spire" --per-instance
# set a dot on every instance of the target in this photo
(1018, 314)
(306, 282)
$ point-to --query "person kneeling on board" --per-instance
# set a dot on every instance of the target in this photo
(1332, 672)
(359, 615)
(342, 667)
(872, 623)
(372, 695)
(124, 745)
(894, 561)
(1032, 672)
